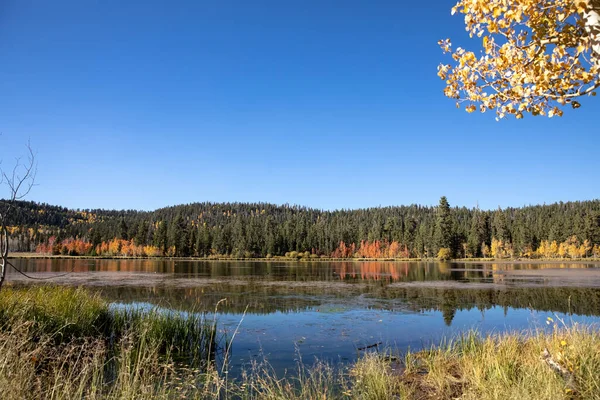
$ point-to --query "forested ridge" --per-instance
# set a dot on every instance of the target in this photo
(570, 229)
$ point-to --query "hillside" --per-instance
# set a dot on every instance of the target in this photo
(262, 229)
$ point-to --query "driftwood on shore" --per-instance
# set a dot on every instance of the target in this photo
(547, 358)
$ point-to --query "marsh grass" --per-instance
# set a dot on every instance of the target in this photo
(58, 342)
(78, 369)
(508, 366)
(63, 312)
(186, 337)
(317, 381)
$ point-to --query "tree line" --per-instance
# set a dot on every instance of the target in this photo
(265, 230)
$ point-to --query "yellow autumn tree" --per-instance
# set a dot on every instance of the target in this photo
(444, 254)
(572, 245)
(543, 248)
(485, 250)
(553, 251)
(549, 249)
(585, 248)
(596, 251)
(497, 248)
(563, 250)
(536, 56)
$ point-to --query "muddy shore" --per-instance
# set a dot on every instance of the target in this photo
(552, 277)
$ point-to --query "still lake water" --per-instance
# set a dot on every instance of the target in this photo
(333, 310)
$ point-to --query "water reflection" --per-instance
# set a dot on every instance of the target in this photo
(258, 299)
(268, 287)
(300, 271)
(330, 309)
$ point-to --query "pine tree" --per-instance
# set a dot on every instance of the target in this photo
(443, 227)
(123, 230)
(500, 226)
(478, 233)
(192, 240)
(178, 237)
(203, 241)
(141, 233)
(592, 227)
(473, 242)
(161, 238)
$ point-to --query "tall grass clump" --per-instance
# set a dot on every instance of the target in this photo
(376, 378)
(58, 342)
(185, 336)
(66, 313)
(319, 381)
(562, 364)
(62, 311)
(87, 368)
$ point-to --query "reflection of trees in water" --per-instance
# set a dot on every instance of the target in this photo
(267, 287)
(204, 299)
(449, 305)
(536, 266)
(300, 271)
(264, 299)
(389, 271)
(582, 301)
(292, 271)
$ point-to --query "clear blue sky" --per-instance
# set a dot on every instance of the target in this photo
(329, 104)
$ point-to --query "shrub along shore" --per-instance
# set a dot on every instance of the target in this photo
(58, 342)
(307, 258)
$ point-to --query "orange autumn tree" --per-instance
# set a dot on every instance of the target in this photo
(371, 249)
(536, 57)
(344, 251)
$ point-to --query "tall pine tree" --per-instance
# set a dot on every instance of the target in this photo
(443, 226)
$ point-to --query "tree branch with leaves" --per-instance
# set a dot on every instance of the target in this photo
(537, 56)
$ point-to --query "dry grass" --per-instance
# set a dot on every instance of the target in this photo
(86, 368)
(319, 381)
(508, 366)
(375, 378)
(67, 343)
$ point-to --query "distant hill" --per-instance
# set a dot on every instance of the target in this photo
(261, 229)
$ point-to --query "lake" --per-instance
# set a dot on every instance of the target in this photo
(336, 310)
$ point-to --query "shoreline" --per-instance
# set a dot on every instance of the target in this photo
(485, 261)
(504, 279)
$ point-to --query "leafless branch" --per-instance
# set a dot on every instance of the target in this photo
(19, 182)
(22, 179)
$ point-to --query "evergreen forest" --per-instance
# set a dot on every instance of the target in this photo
(253, 230)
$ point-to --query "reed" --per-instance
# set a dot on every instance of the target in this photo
(561, 364)
(60, 342)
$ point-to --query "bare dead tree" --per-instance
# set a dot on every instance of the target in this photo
(19, 183)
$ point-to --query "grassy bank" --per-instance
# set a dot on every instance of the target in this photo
(58, 342)
(563, 364)
(67, 343)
